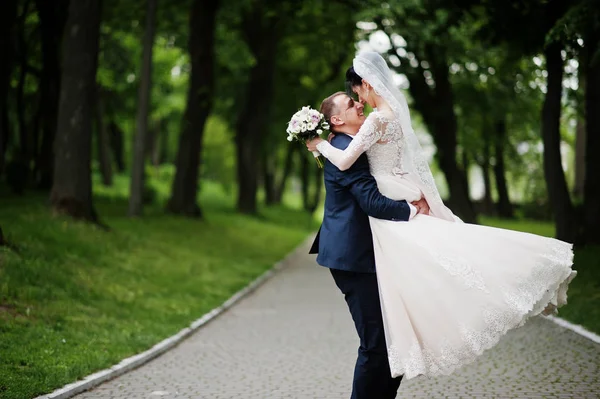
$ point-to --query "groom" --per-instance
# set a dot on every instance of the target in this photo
(345, 245)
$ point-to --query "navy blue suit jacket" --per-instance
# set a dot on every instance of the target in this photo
(344, 240)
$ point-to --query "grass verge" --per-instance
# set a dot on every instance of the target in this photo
(78, 299)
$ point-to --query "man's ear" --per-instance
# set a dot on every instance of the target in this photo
(337, 121)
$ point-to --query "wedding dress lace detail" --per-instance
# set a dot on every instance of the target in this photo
(459, 267)
(547, 284)
(376, 132)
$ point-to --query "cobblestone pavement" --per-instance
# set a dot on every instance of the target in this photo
(294, 338)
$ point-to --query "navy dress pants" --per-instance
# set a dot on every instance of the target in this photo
(372, 376)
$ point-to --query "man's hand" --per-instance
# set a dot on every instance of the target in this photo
(422, 206)
(312, 144)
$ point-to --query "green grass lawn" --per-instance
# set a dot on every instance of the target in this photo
(78, 299)
(584, 291)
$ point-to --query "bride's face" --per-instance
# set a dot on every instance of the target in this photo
(365, 94)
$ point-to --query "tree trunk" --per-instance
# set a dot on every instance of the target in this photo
(580, 162)
(102, 140)
(505, 209)
(465, 168)
(484, 164)
(304, 182)
(310, 202)
(34, 127)
(199, 103)
(287, 170)
(268, 177)
(555, 178)
(8, 18)
(4, 133)
(156, 146)
(24, 147)
(116, 145)
(52, 14)
(446, 134)
(488, 202)
(591, 201)
(580, 131)
(72, 187)
(262, 37)
(139, 147)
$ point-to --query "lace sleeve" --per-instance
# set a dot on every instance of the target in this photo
(369, 133)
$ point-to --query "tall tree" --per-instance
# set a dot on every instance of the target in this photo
(261, 29)
(558, 191)
(72, 186)
(483, 160)
(25, 145)
(199, 103)
(274, 188)
(102, 139)
(137, 166)
(8, 18)
(504, 206)
(115, 140)
(580, 140)
(52, 14)
(592, 123)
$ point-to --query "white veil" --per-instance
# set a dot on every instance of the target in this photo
(372, 68)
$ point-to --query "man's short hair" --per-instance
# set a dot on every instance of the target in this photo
(329, 108)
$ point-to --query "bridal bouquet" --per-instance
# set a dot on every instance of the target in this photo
(307, 124)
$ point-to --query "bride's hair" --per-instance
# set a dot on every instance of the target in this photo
(352, 80)
(328, 108)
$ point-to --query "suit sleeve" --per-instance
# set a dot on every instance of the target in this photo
(364, 188)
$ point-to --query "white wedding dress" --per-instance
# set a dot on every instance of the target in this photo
(449, 290)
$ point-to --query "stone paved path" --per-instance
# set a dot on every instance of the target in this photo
(293, 338)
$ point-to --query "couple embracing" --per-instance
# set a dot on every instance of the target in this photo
(427, 292)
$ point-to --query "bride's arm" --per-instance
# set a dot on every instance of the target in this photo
(369, 133)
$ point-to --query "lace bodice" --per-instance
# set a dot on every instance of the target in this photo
(381, 137)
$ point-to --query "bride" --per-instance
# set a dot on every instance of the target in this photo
(449, 290)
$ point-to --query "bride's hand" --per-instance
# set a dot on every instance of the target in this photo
(312, 144)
